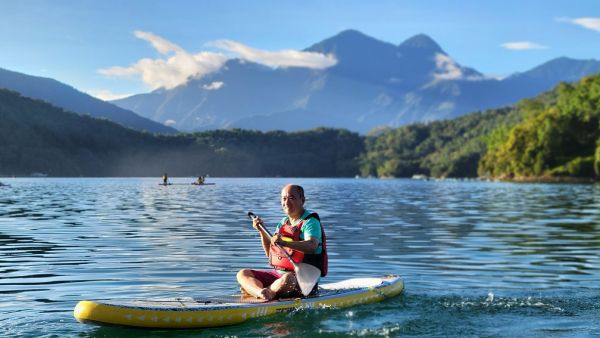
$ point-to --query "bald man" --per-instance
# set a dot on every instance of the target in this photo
(299, 233)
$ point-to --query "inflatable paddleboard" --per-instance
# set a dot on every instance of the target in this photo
(186, 184)
(182, 313)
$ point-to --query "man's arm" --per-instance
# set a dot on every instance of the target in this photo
(264, 236)
(308, 246)
(311, 231)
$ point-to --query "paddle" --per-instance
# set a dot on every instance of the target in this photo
(307, 275)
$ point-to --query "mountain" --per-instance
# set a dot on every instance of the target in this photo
(68, 98)
(39, 137)
(373, 84)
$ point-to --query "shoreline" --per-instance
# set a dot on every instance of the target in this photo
(548, 179)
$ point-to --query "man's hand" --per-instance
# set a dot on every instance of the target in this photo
(276, 239)
(256, 221)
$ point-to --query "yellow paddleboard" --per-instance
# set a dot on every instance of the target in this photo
(180, 313)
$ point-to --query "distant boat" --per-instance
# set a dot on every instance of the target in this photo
(420, 177)
(38, 175)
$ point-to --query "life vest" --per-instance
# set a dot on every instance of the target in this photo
(280, 261)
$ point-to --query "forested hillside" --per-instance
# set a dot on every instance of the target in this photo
(450, 148)
(71, 99)
(38, 137)
(558, 138)
(556, 134)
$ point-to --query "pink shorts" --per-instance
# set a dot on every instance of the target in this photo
(266, 277)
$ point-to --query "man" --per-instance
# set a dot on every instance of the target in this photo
(305, 247)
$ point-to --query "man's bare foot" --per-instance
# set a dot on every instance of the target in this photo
(267, 294)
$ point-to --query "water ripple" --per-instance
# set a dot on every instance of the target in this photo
(455, 243)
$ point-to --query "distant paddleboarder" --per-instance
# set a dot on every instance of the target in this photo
(165, 179)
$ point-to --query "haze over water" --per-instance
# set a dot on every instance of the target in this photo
(477, 258)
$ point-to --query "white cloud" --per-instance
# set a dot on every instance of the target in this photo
(447, 68)
(177, 65)
(589, 23)
(213, 86)
(283, 58)
(161, 45)
(522, 45)
(171, 71)
(170, 123)
(106, 95)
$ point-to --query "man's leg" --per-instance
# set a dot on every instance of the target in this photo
(253, 285)
(286, 286)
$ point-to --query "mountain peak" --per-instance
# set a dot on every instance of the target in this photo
(351, 34)
(348, 40)
(561, 69)
(422, 42)
(373, 83)
(561, 61)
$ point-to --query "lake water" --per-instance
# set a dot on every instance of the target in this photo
(477, 258)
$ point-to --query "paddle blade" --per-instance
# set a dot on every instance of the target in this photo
(307, 276)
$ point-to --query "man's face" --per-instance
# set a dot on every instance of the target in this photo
(291, 201)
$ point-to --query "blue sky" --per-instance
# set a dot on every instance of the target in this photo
(111, 48)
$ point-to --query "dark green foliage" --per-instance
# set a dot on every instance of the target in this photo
(319, 152)
(554, 134)
(38, 137)
(578, 167)
(450, 148)
(557, 138)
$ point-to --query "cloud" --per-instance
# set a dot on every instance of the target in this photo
(522, 45)
(170, 123)
(161, 45)
(172, 70)
(213, 86)
(106, 95)
(177, 65)
(283, 58)
(589, 23)
(447, 68)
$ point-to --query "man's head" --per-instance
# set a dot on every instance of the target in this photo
(292, 200)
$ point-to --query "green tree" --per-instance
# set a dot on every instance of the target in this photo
(557, 136)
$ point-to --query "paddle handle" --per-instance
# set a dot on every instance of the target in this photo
(253, 216)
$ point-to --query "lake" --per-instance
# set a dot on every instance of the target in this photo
(478, 258)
